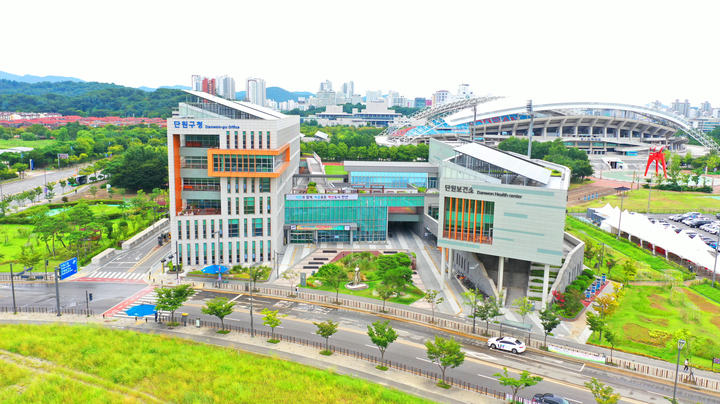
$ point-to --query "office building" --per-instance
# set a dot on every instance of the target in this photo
(255, 91)
(440, 97)
(226, 87)
(348, 89)
(230, 166)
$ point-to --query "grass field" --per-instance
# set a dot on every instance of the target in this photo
(660, 202)
(649, 316)
(413, 294)
(5, 144)
(330, 170)
(96, 364)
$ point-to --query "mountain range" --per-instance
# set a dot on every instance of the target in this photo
(272, 93)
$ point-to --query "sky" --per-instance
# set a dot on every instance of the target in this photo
(632, 51)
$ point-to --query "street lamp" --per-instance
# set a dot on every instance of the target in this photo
(681, 343)
(277, 264)
(529, 109)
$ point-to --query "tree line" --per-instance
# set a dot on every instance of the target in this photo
(554, 152)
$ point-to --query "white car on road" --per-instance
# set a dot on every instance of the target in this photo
(507, 344)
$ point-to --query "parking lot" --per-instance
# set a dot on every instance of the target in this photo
(706, 235)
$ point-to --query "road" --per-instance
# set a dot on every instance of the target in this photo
(35, 179)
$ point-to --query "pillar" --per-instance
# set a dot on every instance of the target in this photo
(501, 274)
(546, 285)
(450, 264)
(442, 263)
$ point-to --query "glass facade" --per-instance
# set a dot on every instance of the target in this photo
(468, 220)
(370, 214)
(390, 179)
(244, 163)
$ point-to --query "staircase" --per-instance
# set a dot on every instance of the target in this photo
(536, 280)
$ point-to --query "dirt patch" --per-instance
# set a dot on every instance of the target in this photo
(700, 301)
(656, 302)
(662, 322)
(101, 194)
(643, 335)
(715, 320)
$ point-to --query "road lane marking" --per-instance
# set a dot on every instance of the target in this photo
(574, 401)
(487, 377)
(425, 360)
(236, 297)
(479, 355)
(583, 367)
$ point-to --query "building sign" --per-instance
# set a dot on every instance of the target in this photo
(470, 190)
(188, 124)
(319, 227)
(68, 268)
(322, 197)
(63, 156)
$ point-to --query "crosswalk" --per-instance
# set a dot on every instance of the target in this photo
(150, 298)
(116, 275)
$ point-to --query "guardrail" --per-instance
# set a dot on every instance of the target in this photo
(144, 235)
(47, 310)
(104, 256)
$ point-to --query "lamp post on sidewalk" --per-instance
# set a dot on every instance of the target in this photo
(277, 264)
(681, 343)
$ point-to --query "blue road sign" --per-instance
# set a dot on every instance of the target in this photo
(68, 268)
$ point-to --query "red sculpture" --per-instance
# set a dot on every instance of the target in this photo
(658, 157)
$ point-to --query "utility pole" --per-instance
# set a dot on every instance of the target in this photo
(529, 109)
(12, 283)
(87, 303)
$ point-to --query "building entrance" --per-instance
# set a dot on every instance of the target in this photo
(301, 236)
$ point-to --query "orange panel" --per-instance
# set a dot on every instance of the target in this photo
(482, 216)
(462, 220)
(475, 222)
(177, 179)
(456, 218)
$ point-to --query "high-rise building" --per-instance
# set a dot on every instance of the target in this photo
(348, 89)
(441, 96)
(230, 167)
(255, 91)
(196, 81)
(420, 102)
(226, 87)
(326, 98)
(682, 108)
(326, 86)
(705, 108)
(464, 91)
(371, 96)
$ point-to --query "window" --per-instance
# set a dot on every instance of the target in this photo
(205, 253)
(264, 184)
(234, 228)
(212, 253)
(246, 233)
(237, 252)
(245, 185)
(269, 251)
(220, 253)
(197, 254)
(212, 227)
(253, 251)
(179, 252)
(220, 228)
(260, 199)
(237, 206)
(204, 228)
(268, 140)
(269, 232)
(246, 252)
(187, 230)
(268, 205)
(252, 146)
(196, 230)
(244, 144)
(249, 204)
(236, 146)
(252, 185)
(237, 185)
(179, 230)
(194, 162)
(227, 140)
(261, 255)
(229, 208)
(257, 227)
(260, 139)
(468, 220)
(201, 184)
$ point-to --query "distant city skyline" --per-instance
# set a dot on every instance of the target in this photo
(616, 50)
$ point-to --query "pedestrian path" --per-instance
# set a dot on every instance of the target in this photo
(150, 299)
(115, 275)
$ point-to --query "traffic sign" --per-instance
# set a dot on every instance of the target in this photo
(68, 268)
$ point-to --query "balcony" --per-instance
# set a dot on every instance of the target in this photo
(199, 212)
(194, 166)
(201, 188)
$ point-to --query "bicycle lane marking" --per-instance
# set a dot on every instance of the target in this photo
(127, 302)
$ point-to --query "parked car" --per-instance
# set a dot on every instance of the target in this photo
(699, 222)
(675, 218)
(509, 344)
(717, 215)
(549, 398)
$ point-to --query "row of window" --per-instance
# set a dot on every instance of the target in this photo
(233, 140)
(194, 162)
(195, 228)
(248, 206)
(263, 185)
(468, 220)
(243, 163)
(393, 179)
(201, 184)
(254, 251)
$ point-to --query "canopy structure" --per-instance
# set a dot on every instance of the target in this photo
(215, 269)
(659, 237)
(141, 310)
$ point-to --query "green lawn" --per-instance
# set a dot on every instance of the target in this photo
(412, 293)
(330, 170)
(660, 202)
(648, 318)
(128, 365)
(6, 144)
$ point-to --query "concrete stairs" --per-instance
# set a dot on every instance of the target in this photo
(536, 280)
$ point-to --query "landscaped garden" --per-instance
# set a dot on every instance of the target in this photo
(386, 276)
(84, 364)
(58, 232)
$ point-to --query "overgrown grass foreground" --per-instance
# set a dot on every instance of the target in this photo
(129, 365)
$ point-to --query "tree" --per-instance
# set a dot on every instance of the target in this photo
(398, 277)
(291, 276)
(471, 300)
(334, 275)
(171, 299)
(219, 307)
(384, 292)
(326, 329)
(606, 305)
(20, 168)
(255, 273)
(603, 394)
(611, 263)
(382, 335)
(595, 323)
(611, 338)
(94, 190)
(28, 257)
(515, 385)
(549, 320)
(140, 167)
(271, 320)
(488, 311)
(445, 353)
(431, 297)
(630, 269)
(525, 306)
